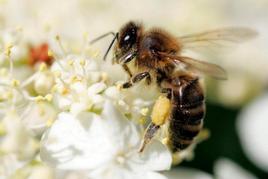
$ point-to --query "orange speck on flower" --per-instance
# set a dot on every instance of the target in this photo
(39, 54)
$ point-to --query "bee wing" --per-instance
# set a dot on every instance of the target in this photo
(196, 65)
(218, 37)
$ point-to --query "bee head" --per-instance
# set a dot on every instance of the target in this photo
(127, 41)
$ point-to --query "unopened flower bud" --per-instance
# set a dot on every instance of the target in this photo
(44, 83)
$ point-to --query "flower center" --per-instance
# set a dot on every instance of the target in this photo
(121, 158)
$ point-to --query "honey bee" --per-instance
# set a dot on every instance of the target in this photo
(158, 58)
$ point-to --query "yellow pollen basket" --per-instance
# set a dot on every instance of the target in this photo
(161, 110)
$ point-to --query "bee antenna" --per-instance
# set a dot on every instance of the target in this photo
(110, 46)
(101, 37)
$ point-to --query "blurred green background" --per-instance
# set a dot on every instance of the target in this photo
(224, 142)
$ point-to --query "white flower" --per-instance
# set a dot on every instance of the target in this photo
(226, 169)
(8, 165)
(16, 137)
(75, 66)
(253, 133)
(37, 116)
(106, 146)
(41, 172)
(43, 82)
(186, 173)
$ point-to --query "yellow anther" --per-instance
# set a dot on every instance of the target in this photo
(50, 53)
(57, 37)
(82, 62)
(119, 87)
(104, 77)
(144, 111)
(49, 97)
(64, 91)
(75, 79)
(43, 67)
(49, 122)
(39, 98)
(142, 120)
(15, 83)
(70, 62)
(8, 49)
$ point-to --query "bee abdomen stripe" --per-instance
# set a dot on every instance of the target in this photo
(177, 146)
(184, 131)
(188, 115)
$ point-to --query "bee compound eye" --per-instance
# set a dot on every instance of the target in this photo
(127, 37)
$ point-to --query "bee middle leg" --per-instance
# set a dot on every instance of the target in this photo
(137, 78)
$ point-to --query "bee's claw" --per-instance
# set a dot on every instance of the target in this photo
(149, 134)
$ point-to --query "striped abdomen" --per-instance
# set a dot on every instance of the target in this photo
(187, 113)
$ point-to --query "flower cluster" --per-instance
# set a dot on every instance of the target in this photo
(77, 116)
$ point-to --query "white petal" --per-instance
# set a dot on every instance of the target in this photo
(9, 164)
(96, 88)
(17, 136)
(78, 107)
(186, 173)
(155, 157)
(76, 144)
(252, 129)
(79, 88)
(113, 93)
(97, 99)
(43, 83)
(124, 132)
(118, 172)
(41, 172)
(226, 169)
(63, 102)
(36, 116)
(152, 175)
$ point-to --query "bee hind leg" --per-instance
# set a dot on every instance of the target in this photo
(149, 134)
(167, 91)
(159, 116)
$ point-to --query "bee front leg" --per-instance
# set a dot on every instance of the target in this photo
(137, 78)
(125, 67)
